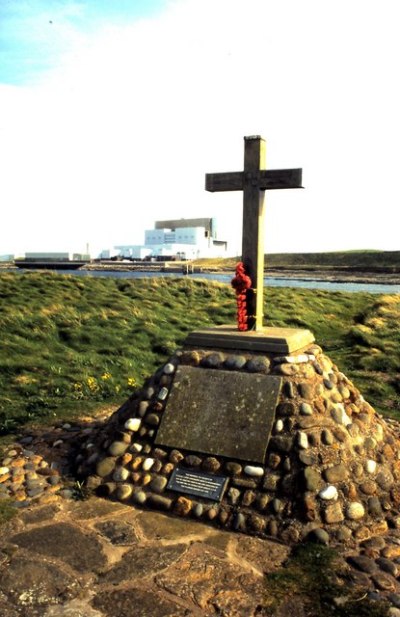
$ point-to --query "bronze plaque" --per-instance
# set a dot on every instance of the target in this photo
(197, 483)
(224, 413)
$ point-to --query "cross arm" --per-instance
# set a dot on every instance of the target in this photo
(228, 181)
(280, 179)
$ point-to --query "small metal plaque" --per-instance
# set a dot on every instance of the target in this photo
(224, 413)
(197, 483)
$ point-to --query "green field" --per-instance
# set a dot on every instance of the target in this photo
(71, 345)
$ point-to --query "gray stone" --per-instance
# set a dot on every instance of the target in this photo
(306, 391)
(337, 473)
(234, 469)
(247, 401)
(152, 419)
(258, 365)
(319, 535)
(374, 506)
(312, 479)
(82, 551)
(388, 566)
(327, 437)
(363, 563)
(159, 501)
(308, 458)
(139, 497)
(158, 484)
(282, 443)
(117, 448)
(289, 389)
(235, 363)
(105, 467)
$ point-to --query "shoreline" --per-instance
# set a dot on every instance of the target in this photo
(316, 274)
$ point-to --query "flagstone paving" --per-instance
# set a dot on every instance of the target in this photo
(66, 557)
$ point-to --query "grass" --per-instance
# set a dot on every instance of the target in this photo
(308, 580)
(385, 261)
(72, 344)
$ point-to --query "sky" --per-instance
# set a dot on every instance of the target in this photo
(112, 111)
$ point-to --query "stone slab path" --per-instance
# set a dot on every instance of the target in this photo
(65, 557)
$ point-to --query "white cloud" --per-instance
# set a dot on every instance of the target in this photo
(121, 132)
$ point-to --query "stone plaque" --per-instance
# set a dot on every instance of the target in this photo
(197, 483)
(225, 413)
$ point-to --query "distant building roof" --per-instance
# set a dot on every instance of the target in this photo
(207, 223)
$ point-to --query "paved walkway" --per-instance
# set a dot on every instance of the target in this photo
(62, 557)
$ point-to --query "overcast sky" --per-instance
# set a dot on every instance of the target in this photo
(111, 112)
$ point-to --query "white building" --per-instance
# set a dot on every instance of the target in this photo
(176, 239)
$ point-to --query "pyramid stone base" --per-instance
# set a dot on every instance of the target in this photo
(254, 441)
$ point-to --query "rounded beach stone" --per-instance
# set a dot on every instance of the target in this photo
(286, 409)
(169, 368)
(289, 389)
(329, 493)
(139, 497)
(136, 447)
(277, 505)
(262, 501)
(312, 479)
(158, 484)
(152, 419)
(256, 523)
(286, 369)
(105, 467)
(248, 498)
(239, 521)
(233, 495)
(337, 473)
(211, 464)
(133, 424)
(333, 513)
(234, 362)
(106, 489)
(355, 510)
(319, 535)
(198, 510)
(147, 464)
(251, 470)
(213, 360)
(258, 365)
(120, 475)
(306, 409)
(212, 513)
(117, 448)
(302, 440)
(159, 501)
(175, 456)
(182, 506)
(143, 407)
(192, 460)
(306, 391)
(279, 426)
(124, 491)
(368, 487)
(234, 469)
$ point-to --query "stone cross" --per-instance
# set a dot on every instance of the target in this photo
(254, 181)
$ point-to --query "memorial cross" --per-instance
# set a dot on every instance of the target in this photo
(254, 181)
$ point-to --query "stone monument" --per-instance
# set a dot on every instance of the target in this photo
(255, 431)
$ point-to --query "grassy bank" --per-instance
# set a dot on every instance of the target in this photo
(372, 261)
(71, 344)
